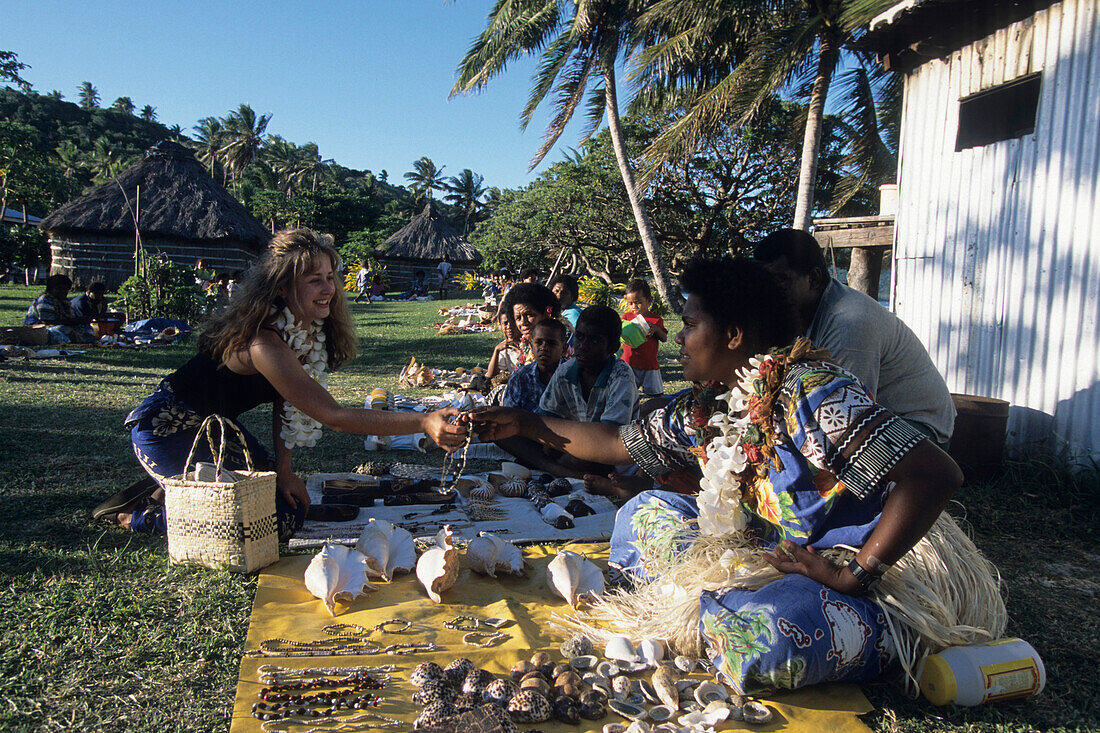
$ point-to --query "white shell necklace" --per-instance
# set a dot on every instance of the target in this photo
(300, 429)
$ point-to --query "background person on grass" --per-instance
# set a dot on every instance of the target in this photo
(507, 355)
(52, 308)
(643, 359)
(526, 304)
(863, 337)
(288, 325)
(363, 282)
(444, 269)
(821, 483)
(92, 303)
(565, 288)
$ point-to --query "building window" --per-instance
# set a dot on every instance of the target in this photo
(1000, 113)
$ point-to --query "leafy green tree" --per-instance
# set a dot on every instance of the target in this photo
(786, 45)
(89, 96)
(425, 178)
(56, 95)
(149, 113)
(10, 66)
(244, 137)
(465, 191)
(30, 179)
(578, 44)
(107, 161)
(124, 105)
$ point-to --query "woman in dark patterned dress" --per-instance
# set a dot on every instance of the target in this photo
(274, 344)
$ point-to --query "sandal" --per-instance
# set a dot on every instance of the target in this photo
(140, 489)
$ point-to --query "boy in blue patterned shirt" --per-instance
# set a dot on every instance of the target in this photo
(526, 385)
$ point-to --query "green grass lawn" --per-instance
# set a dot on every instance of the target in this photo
(99, 632)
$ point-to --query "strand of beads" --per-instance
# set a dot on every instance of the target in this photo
(283, 701)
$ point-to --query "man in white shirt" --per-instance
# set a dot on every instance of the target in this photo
(444, 269)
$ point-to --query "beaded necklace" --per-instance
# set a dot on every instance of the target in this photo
(308, 344)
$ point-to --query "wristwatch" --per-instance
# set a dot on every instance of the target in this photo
(866, 578)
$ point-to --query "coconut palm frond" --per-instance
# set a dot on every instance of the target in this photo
(515, 29)
(569, 93)
(552, 62)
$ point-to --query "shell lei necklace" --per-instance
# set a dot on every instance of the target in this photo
(308, 344)
(742, 436)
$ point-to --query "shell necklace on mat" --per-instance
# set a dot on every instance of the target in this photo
(308, 344)
(363, 721)
(274, 674)
(347, 639)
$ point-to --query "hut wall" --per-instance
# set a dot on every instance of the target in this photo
(111, 259)
(401, 273)
(996, 262)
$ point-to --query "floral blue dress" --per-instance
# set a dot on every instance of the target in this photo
(836, 446)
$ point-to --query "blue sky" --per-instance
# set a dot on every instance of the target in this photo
(367, 81)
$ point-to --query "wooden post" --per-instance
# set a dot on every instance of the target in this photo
(865, 269)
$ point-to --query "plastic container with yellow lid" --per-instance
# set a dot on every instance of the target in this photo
(973, 675)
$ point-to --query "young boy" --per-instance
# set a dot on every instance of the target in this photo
(526, 385)
(643, 359)
(595, 385)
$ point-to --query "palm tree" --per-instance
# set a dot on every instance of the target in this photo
(89, 97)
(209, 138)
(106, 162)
(71, 159)
(465, 192)
(769, 47)
(578, 44)
(313, 166)
(124, 105)
(425, 178)
(282, 155)
(149, 113)
(244, 133)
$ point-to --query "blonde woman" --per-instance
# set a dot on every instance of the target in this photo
(274, 344)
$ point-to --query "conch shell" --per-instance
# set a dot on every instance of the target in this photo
(337, 573)
(487, 553)
(389, 550)
(437, 569)
(573, 576)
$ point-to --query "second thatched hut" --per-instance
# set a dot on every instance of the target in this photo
(182, 212)
(421, 245)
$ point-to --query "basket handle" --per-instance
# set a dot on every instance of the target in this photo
(207, 430)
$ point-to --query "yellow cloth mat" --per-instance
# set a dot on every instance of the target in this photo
(283, 608)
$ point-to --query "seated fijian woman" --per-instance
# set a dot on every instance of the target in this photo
(274, 344)
(815, 548)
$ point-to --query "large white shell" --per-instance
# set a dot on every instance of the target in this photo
(337, 573)
(389, 550)
(487, 554)
(651, 651)
(620, 647)
(437, 569)
(515, 470)
(574, 576)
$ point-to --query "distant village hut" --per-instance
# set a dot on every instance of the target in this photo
(182, 212)
(997, 226)
(421, 245)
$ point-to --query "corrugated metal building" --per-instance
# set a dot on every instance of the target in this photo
(997, 245)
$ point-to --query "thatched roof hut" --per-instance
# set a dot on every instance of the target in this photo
(181, 210)
(421, 245)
